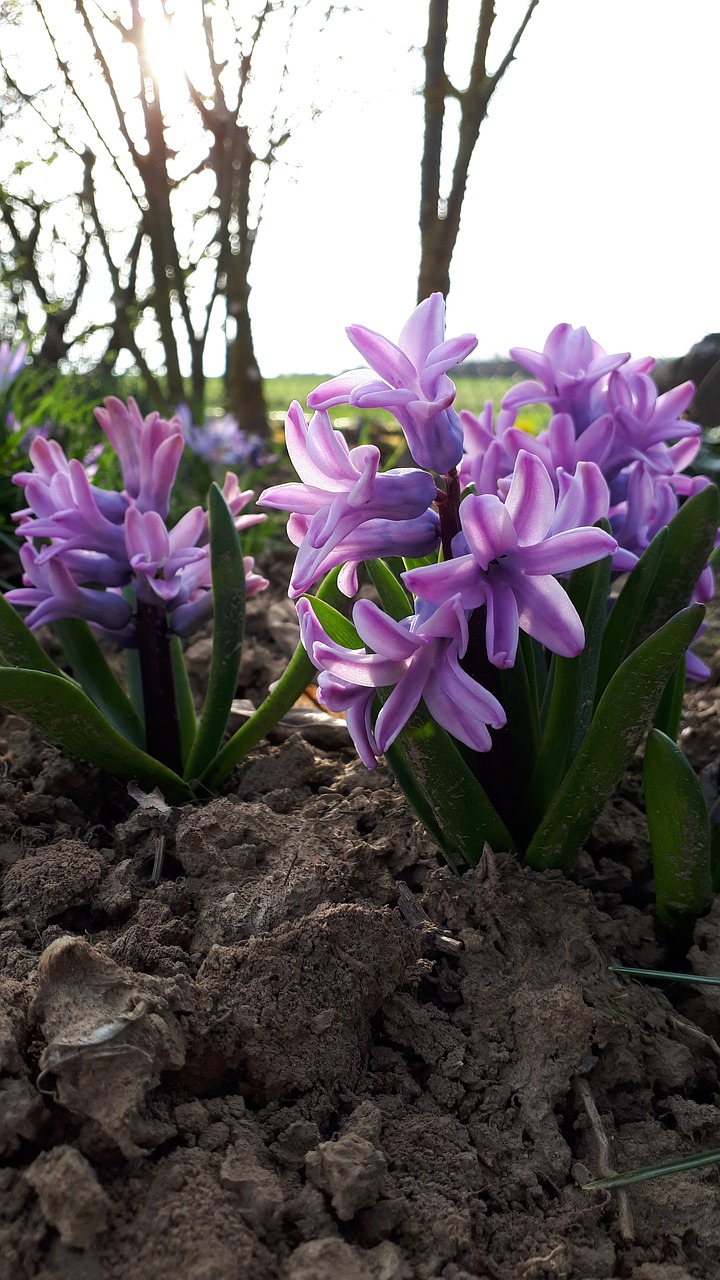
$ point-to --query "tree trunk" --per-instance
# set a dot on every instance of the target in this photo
(244, 395)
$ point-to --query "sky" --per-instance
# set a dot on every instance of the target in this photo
(593, 193)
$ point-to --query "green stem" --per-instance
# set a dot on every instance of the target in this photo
(162, 726)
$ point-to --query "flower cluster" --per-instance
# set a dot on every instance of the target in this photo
(512, 512)
(222, 443)
(84, 545)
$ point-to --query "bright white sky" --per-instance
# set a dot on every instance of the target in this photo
(593, 195)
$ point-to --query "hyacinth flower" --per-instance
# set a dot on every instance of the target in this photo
(222, 442)
(412, 383)
(566, 372)
(510, 616)
(98, 563)
(345, 510)
(419, 656)
(506, 557)
(12, 362)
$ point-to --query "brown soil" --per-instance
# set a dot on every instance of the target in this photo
(309, 1053)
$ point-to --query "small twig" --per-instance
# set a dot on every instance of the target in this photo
(603, 1156)
(157, 871)
(418, 918)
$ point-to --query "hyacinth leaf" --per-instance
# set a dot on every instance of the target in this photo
(622, 716)
(393, 597)
(570, 703)
(441, 789)
(715, 859)
(654, 1171)
(679, 829)
(292, 683)
(187, 720)
(18, 646)
(228, 590)
(97, 680)
(622, 622)
(61, 711)
(663, 581)
(666, 976)
(667, 717)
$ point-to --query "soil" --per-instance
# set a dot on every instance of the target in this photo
(270, 1037)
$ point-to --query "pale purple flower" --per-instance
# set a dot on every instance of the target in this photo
(149, 450)
(646, 422)
(346, 509)
(420, 657)
(486, 460)
(12, 362)
(569, 368)
(506, 557)
(412, 383)
(221, 442)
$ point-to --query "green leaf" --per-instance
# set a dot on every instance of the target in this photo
(228, 589)
(620, 721)
(443, 792)
(393, 597)
(339, 628)
(666, 975)
(669, 712)
(293, 682)
(97, 679)
(654, 1171)
(679, 830)
(62, 712)
(570, 704)
(663, 581)
(18, 646)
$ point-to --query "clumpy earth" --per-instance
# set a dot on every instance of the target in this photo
(269, 1037)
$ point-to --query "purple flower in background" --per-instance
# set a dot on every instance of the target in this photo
(221, 442)
(567, 370)
(419, 656)
(412, 383)
(646, 421)
(12, 362)
(346, 509)
(506, 557)
(486, 459)
(98, 539)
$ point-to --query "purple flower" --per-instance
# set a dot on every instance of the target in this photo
(346, 509)
(505, 558)
(420, 657)
(220, 442)
(97, 539)
(568, 368)
(149, 450)
(50, 591)
(11, 364)
(412, 383)
(646, 421)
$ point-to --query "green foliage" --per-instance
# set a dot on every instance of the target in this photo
(679, 829)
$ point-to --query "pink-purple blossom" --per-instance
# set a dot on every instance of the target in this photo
(506, 558)
(412, 383)
(345, 509)
(419, 656)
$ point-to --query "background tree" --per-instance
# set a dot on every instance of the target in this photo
(141, 135)
(440, 213)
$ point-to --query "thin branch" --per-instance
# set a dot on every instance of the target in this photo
(498, 75)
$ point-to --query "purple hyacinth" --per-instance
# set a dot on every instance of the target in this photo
(345, 509)
(506, 557)
(12, 362)
(96, 542)
(420, 657)
(412, 383)
(566, 372)
(221, 442)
